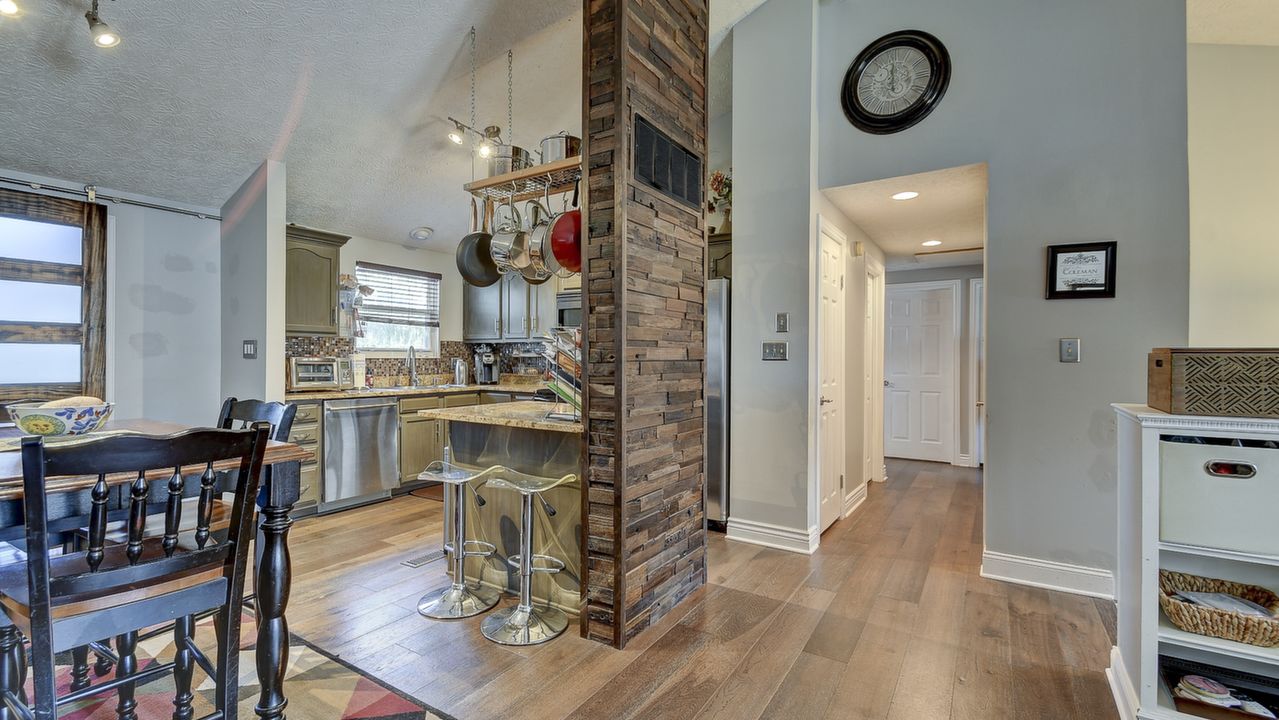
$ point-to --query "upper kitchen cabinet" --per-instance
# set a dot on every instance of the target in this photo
(312, 262)
(509, 310)
(482, 317)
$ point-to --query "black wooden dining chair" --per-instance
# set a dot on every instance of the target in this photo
(67, 601)
(235, 414)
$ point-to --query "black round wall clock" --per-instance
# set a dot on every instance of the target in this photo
(895, 82)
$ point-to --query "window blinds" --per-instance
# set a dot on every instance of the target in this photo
(400, 296)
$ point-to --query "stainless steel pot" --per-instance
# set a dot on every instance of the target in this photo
(560, 146)
(509, 247)
(539, 249)
(508, 158)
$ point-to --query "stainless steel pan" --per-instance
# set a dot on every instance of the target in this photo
(474, 258)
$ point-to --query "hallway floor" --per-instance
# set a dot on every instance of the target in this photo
(889, 619)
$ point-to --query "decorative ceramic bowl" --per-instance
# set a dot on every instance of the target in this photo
(35, 419)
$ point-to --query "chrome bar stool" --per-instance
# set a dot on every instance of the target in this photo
(523, 624)
(458, 599)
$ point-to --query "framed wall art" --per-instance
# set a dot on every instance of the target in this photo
(1081, 270)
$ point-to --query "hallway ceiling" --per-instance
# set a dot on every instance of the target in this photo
(1233, 22)
(951, 207)
(351, 96)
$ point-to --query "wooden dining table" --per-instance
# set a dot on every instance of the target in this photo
(273, 571)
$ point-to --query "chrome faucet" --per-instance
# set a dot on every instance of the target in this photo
(412, 362)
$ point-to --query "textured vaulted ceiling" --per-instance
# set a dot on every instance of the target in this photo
(951, 207)
(352, 96)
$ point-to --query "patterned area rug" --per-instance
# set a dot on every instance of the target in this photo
(319, 687)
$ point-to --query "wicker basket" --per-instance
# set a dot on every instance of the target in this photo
(1263, 632)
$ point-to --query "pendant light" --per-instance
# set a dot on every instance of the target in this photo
(103, 35)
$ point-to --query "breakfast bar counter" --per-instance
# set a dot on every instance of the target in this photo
(529, 415)
(521, 436)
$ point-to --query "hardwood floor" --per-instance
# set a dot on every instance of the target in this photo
(889, 620)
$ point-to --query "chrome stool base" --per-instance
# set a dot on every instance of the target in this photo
(457, 601)
(517, 625)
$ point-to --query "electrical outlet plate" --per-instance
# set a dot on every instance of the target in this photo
(1068, 350)
(775, 351)
(250, 350)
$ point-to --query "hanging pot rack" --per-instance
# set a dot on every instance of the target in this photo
(559, 176)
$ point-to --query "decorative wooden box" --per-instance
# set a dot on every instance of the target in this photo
(1214, 381)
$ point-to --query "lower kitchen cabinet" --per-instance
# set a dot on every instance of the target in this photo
(308, 433)
(421, 443)
(312, 483)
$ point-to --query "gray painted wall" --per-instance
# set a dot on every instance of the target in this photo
(1071, 157)
(164, 315)
(252, 282)
(1075, 154)
(774, 149)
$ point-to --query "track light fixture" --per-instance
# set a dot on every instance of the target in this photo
(488, 136)
(8, 7)
(103, 35)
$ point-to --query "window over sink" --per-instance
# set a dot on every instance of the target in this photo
(402, 312)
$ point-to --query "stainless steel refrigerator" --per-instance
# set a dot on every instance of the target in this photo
(717, 354)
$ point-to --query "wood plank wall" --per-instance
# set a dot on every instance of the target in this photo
(645, 343)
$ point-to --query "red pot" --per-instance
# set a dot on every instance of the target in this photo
(566, 239)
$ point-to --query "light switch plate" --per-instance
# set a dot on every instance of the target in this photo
(775, 351)
(783, 322)
(1068, 350)
(250, 349)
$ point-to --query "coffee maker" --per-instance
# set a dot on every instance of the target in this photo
(486, 366)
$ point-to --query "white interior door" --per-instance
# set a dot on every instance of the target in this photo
(830, 371)
(873, 375)
(979, 367)
(919, 372)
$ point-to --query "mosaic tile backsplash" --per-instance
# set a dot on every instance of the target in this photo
(317, 346)
(389, 372)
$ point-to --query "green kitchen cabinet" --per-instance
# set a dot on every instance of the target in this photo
(311, 266)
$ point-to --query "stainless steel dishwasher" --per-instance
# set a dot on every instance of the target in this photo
(361, 452)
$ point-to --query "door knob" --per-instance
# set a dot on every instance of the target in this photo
(888, 384)
(824, 401)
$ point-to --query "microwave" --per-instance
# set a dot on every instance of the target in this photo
(320, 373)
(568, 309)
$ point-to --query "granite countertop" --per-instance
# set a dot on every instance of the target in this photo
(526, 414)
(504, 386)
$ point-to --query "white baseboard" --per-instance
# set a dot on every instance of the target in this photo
(1126, 700)
(773, 536)
(1047, 574)
(854, 500)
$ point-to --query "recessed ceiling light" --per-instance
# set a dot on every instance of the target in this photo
(8, 7)
(905, 195)
(420, 234)
(932, 243)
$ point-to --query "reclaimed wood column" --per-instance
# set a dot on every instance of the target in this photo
(644, 285)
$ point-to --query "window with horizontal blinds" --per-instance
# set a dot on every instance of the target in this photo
(52, 297)
(403, 309)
